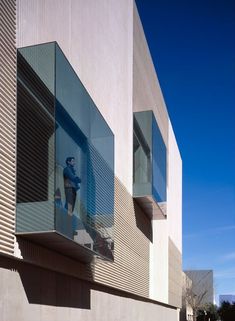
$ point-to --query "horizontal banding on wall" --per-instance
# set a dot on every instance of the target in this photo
(8, 124)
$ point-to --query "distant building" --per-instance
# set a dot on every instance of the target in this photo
(202, 283)
(197, 290)
(226, 298)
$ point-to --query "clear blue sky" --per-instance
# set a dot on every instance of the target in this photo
(193, 48)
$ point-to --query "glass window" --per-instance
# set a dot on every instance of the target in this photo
(65, 168)
(142, 153)
(159, 164)
(35, 138)
(149, 158)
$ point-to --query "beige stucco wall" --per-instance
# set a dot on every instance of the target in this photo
(29, 293)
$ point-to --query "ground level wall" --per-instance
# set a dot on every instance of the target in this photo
(29, 292)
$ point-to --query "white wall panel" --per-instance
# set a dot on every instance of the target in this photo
(147, 94)
(174, 191)
(159, 262)
(97, 38)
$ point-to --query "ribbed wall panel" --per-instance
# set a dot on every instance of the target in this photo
(130, 270)
(7, 123)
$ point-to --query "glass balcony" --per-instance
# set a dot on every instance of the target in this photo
(65, 158)
(150, 165)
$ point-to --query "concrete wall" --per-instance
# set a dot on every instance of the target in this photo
(31, 293)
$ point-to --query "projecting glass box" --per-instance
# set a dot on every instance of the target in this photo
(150, 165)
(65, 158)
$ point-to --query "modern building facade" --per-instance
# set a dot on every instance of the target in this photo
(90, 171)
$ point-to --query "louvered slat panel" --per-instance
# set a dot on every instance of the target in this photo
(7, 123)
(130, 270)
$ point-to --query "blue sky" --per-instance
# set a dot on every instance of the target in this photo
(193, 48)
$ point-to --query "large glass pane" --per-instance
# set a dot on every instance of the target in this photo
(84, 164)
(149, 160)
(159, 164)
(65, 154)
(35, 138)
(142, 177)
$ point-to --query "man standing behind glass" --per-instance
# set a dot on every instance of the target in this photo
(71, 184)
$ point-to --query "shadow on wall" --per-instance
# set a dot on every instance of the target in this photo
(143, 222)
(46, 287)
(51, 278)
(50, 288)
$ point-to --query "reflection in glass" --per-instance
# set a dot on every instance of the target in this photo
(149, 158)
(35, 139)
(70, 153)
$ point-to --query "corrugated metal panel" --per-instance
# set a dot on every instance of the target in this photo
(7, 123)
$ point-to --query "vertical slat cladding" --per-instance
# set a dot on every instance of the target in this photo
(7, 123)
